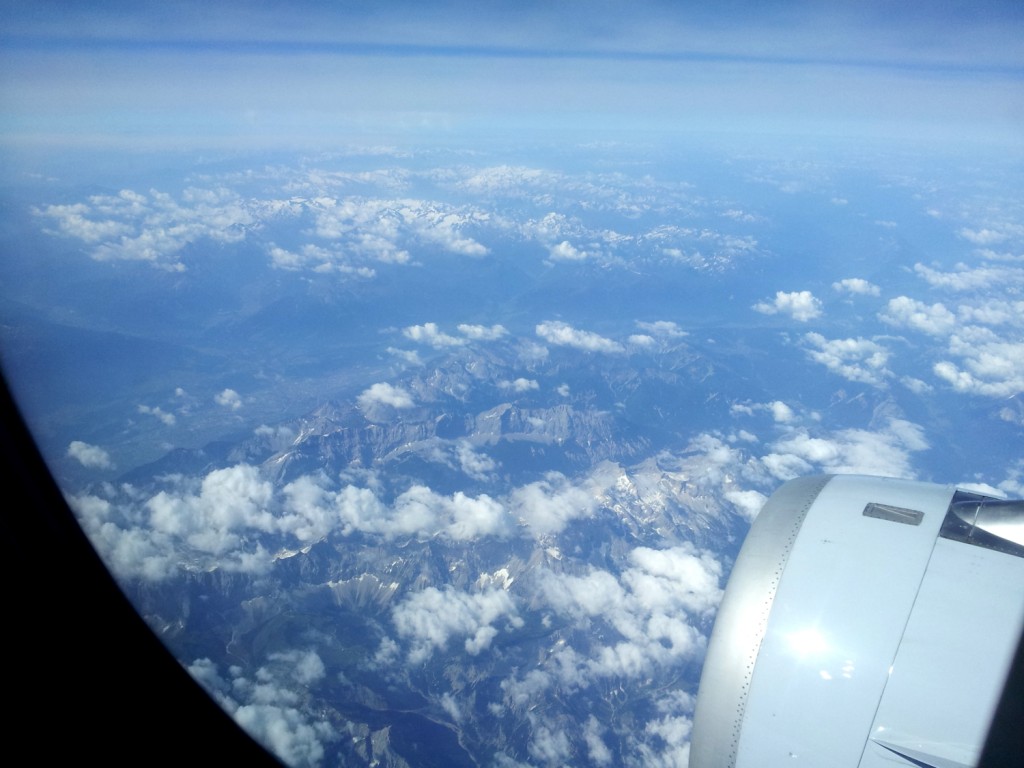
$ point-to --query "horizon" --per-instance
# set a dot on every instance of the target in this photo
(317, 75)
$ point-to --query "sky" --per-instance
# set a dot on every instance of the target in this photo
(275, 74)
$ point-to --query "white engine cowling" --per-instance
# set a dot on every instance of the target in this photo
(867, 622)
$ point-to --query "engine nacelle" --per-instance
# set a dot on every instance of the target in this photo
(867, 622)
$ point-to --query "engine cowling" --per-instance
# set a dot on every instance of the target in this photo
(867, 622)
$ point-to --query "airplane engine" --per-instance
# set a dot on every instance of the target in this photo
(867, 622)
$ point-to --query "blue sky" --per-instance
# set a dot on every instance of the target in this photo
(277, 74)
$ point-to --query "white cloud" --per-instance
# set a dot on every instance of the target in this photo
(277, 438)
(284, 259)
(886, 452)
(430, 618)
(304, 666)
(213, 521)
(596, 594)
(475, 464)
(374, 226)
(1011, 416)
(714, 465)
(379, 249)
(666, 580)
(530, 353)
(563, 334)
(226, 518)
(993, 312)
(72, 221)
(285, 731)
(482, 332)
(270, 704)
(786, 466)
(230, 501)
(429, 333)
(857, 285)
(410, 356)
(548, 505)
(472, 517)
(990, 255)
(1013, 485)
(982, 488)
(311, 510)
(671, 747)
(983, 236)
(519, 385)
(738, 215)
(565, 251)
(550, 747)
(781, 412)
(990, 366)
(905, 312)
(91, 456)
(551, 226)
(966, 278)
(505, 179)
(702, 249)
(857, 359)
(748, 502)
(663, 328)
(415, 512)
(155, 227)
(800, 305)
(916, 386)
(659, 333)
(129, 551)
(451, 707)
(983, 363)
(160, 413)
(597, 750)
(386, 394)
(520, 693)
(648, 608)
(322, 260)
(443, 225)
(229, 399)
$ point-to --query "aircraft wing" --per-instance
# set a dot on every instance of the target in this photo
(867, 622)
